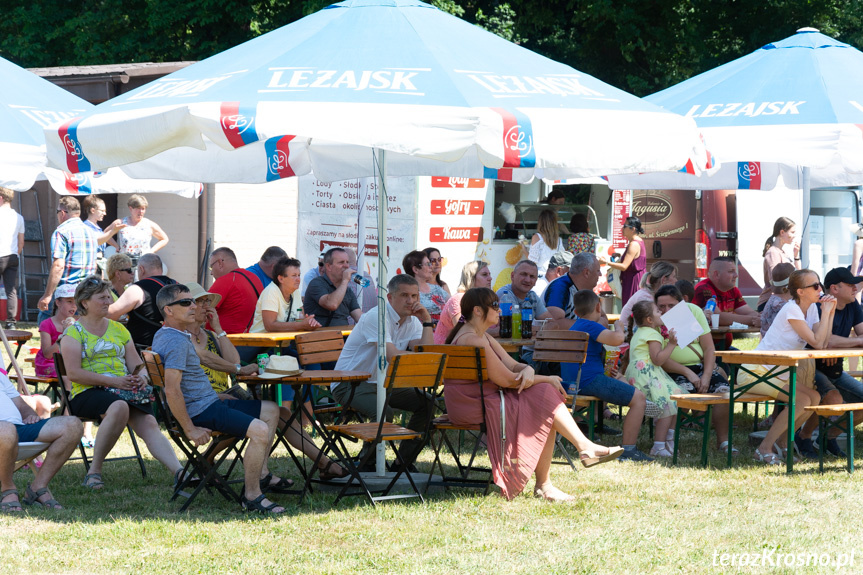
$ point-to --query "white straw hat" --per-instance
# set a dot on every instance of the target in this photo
(279, 366)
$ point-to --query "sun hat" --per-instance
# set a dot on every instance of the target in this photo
(196, 291)
(279, 366)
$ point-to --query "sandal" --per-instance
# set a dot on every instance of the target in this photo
(783, 453)
(93, 481)
(257, 505)
(769, 458)
(326, 472)
(723, 447)
(661, 452)
(10, 506)
(283, 485)
(551, 493)
(589, 459)
(32, 498)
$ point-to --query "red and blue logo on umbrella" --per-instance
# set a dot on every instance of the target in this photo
(238, 123)
(748, 175)
(76, 161)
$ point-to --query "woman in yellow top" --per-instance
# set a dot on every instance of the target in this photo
(102, 364)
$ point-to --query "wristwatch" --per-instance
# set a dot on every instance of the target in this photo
(237, 365)
(221, 334)
(428, 324)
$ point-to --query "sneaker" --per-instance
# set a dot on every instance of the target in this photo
(605, 430)
(832, 447)
(9, 325)
(635, 455)
(805, 448)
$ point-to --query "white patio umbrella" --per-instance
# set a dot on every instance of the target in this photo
(793, 107)
(377, 88)
(28, 105)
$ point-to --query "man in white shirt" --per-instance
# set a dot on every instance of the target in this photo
(408, 325)
(19, 423)
(11, 246)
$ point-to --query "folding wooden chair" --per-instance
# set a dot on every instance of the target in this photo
(198, 466)
(559, 346)
(60, 368)
(413, 370)
(465, 366)
(317, 347)
(28, 451)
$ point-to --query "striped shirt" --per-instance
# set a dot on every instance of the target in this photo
(75, 244)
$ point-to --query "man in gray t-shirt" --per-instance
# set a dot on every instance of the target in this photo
(197, 408)
(328, 297)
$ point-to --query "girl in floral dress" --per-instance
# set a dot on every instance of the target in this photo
(646, 352)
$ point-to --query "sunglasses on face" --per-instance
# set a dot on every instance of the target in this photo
(435, 260)
(185, 302)
(127, 270)
(495, 305)
(816, 285)
(61, 210)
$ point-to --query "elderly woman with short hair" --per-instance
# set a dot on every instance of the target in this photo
(101, 362)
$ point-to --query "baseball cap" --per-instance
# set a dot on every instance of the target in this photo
(840, 275)
(560, 259)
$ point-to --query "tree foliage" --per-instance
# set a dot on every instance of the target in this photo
(638, 46)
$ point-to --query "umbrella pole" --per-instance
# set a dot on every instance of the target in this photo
(380, 459)
(22, 387)
(807, 207)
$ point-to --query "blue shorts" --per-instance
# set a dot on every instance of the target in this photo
(606, 388)
(849, 387)
(231, 416)
(30, 431)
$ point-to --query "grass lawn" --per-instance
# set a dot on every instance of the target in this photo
(628, 519)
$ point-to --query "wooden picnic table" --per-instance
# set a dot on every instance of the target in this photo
(277, 338)
(511, 345)
(782, 362)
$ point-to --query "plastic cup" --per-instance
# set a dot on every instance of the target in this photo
(714, 320)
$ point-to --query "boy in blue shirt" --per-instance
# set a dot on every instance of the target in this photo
(593, 380)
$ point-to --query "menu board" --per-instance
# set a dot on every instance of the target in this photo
(621, 208)
(455, 216)
(337, 214)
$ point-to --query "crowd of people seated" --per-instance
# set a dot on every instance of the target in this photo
(99, 327)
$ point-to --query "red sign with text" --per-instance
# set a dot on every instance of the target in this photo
(457, 207)
(457, 183)
(621, 206)
(453, 234)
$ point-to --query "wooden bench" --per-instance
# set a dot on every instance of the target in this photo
(845, 412)
(700, 406)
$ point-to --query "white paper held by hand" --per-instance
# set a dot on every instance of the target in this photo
(683, 322)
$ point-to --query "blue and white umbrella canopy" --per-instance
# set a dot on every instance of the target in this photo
(29, 105)
(441, 96)
(791, 104)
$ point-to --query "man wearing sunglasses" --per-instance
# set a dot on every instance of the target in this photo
(139, 301)
(199, 411)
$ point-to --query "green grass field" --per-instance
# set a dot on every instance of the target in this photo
(628, 518)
